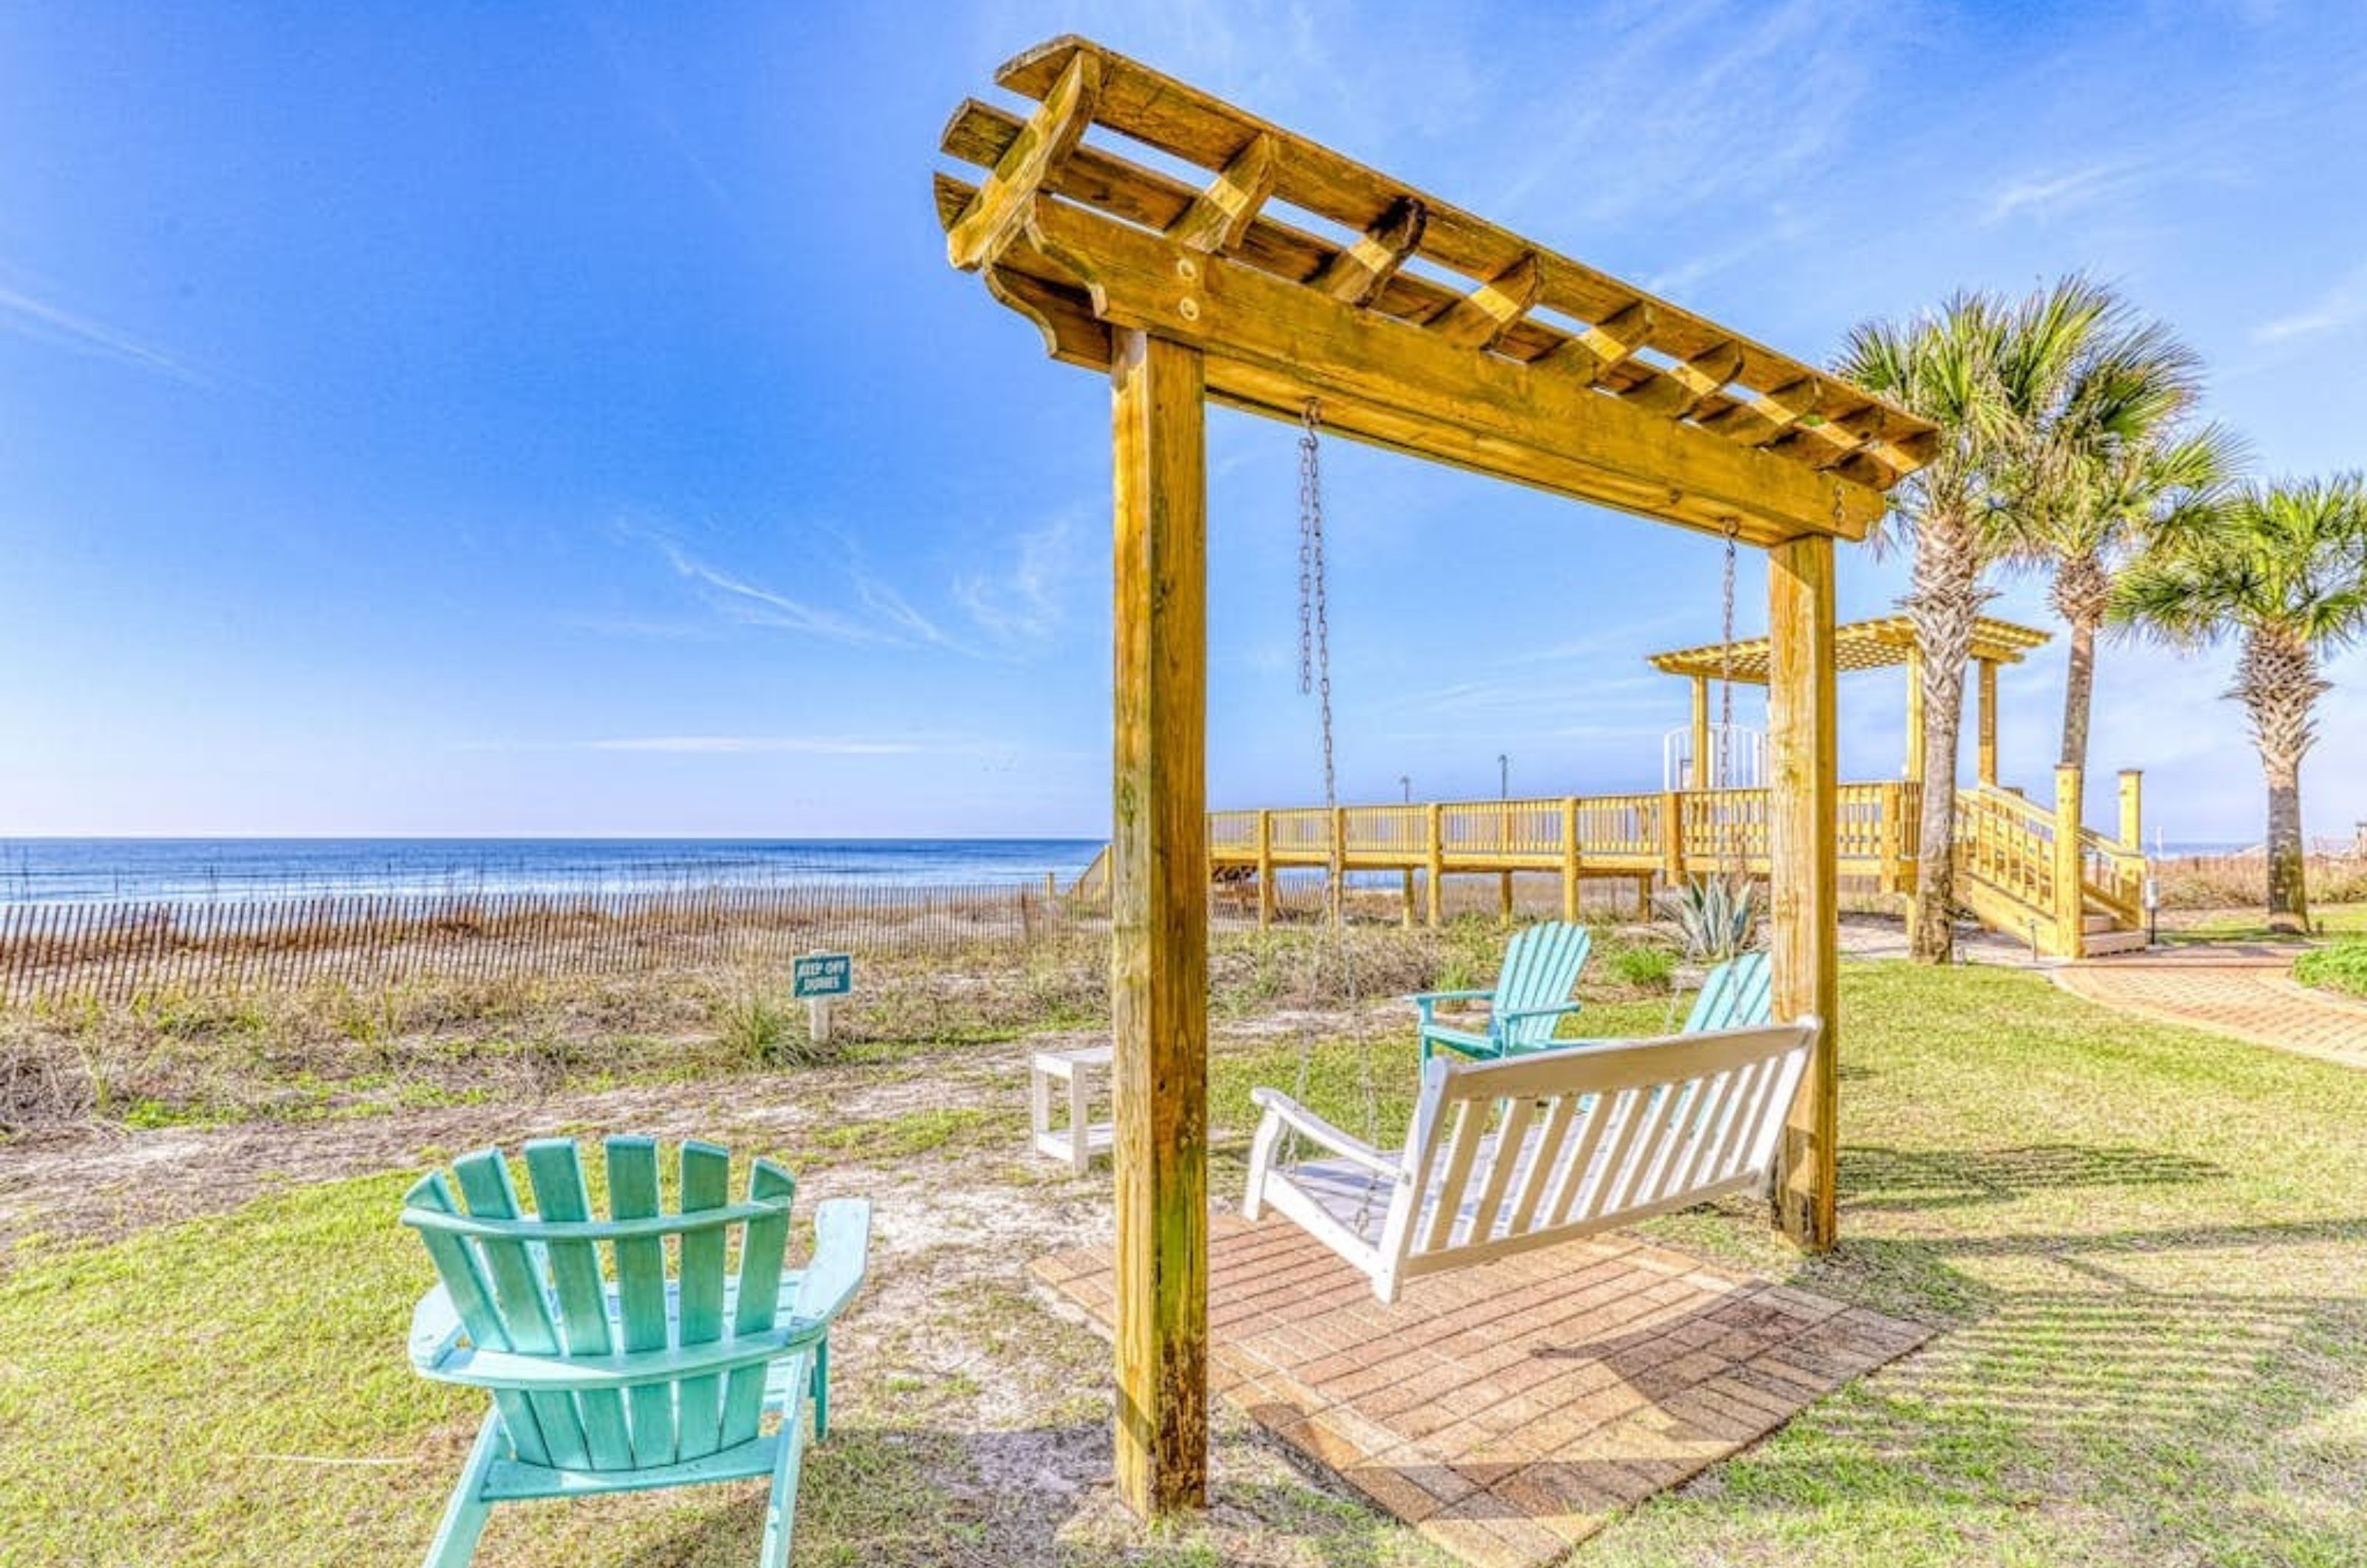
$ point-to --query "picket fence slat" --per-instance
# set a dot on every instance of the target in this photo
(117, 952)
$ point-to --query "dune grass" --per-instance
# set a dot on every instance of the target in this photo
(2145, 1246)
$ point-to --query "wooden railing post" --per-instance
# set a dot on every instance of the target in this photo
(1986, 724)
(1571, 859)
(2070, 874)
(1266, 869)
(1434, 860)
(1338, 864)
(1894, 836)
(1158, 925)
(1672, 835)
(2133, 810)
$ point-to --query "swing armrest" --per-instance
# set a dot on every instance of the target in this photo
(1279, 1107)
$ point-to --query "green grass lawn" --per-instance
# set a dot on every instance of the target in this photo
(2146, 1248)
(2331, 920)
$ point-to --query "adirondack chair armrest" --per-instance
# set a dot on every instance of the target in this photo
(1280, 1107)
(1558, 1011)
(842, 1253)
(436, 1328)
(1426, 1002)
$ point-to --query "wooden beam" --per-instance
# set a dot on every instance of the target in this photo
(1802, 732)
(1357, 275)
(1913, 772)
(1276, 332)
(1051, 134)
(2070, 878)
(1159, 923)
(1220, 215)
(1481, 318)
(1185, 122)
(1676, 393)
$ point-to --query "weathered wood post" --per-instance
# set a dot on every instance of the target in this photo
(1804, 762)
(1986, 725)
(1435, 862)
(2070, 878)
(1571, 859)
(2132, 808)
(1158, 925)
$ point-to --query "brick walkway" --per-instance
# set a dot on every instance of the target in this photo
(1506, 1411)
(2245, 990)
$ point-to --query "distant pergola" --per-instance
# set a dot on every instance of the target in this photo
(1534, 368)
(1863, 645)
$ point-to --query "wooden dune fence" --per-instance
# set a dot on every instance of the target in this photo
(117, 951)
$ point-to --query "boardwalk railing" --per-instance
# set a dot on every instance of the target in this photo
(114, 952)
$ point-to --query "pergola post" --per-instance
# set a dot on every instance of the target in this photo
(1697, 775)
(1985, 766)
(1914, 771)
(1158, 925)
(1804, 728)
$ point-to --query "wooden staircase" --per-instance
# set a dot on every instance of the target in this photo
(2075, 894)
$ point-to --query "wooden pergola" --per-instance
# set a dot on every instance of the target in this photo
(1878, 644)
(1537, 369)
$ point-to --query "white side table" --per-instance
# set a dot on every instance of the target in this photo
(1081, 1138)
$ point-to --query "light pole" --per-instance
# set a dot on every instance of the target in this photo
(1503, 777)
(1504, 836)
(1405, 783)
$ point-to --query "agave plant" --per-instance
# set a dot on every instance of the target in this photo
(1715, 915)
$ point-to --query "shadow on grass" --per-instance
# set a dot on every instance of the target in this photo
(1889, 1180)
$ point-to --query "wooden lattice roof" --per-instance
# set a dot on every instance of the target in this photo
(1535, 368)
(1860, 645)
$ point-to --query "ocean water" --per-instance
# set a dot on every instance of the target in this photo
(49, 870)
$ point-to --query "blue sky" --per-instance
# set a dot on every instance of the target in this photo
(463, 419)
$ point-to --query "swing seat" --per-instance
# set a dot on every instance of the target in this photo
(1532, 994)
(1537, 1148)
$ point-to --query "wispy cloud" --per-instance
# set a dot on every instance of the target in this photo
(738, 745)
(43, 322)
(874, 615)
(1026, 602)
(2054, 194)
(2341, 307)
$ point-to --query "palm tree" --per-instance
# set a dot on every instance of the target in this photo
(2284, 567)
(2109, 471)
(1988, 373)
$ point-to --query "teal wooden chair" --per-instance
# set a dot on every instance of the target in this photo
(1738, 994)
(1532, 994)
(609, 1370)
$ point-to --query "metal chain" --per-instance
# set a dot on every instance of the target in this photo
(1314, 612)
(1726, 749)
(1315, 680)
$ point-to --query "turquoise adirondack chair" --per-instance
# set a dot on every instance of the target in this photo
(1533, 994)
(1738, 994)
(635, 1376)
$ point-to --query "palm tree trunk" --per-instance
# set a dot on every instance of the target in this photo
(2277, 680)
(2288, 863)
(2079, 693)
(1945, 603)
(2082, 592)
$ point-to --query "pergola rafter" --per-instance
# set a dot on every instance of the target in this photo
(1539, 370)
(1616, 397)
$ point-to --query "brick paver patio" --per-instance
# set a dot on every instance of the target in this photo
(2239, 989)
(1507, 1411)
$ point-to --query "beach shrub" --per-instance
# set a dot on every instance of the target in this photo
(2342, 967)
(757, 1028)
(1645, 968)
